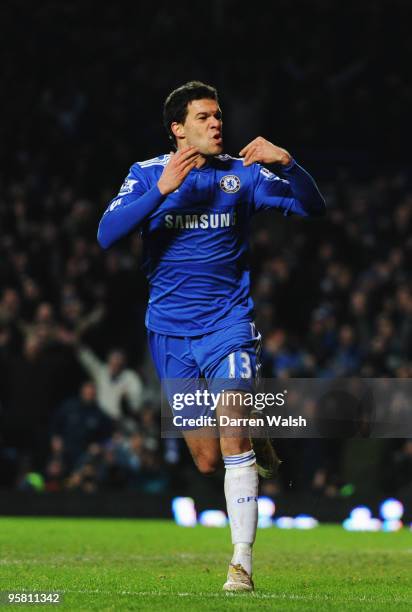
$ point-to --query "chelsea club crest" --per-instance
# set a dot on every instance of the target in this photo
(230, 183)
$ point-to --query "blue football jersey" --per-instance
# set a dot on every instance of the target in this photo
(195, 240)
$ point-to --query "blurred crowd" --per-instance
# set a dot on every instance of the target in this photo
(79, 404)
(334, 298)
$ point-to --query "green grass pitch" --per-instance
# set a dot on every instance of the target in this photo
(105, 564)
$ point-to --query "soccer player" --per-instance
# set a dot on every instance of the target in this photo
(192, 209)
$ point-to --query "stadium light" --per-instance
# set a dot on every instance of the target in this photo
(301, 521)
(304, 521)
(184, 511)
(213, 518)
(266, 510)
(285, 522)
(372, 524)
(266, 507)
(360, 519)
(392, 525)
(391, 510)
(360, 514)
(264, 522)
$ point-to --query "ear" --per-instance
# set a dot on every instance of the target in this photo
(178, 130)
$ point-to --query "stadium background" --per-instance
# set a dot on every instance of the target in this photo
(82, 89)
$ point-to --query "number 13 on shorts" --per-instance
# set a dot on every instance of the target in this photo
(240, 365)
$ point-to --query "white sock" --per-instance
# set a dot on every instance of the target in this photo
(243, 554)
(241, 491)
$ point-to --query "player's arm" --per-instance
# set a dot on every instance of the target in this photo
(297, 193)
(133, 205)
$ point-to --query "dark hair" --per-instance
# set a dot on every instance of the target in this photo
(175, 106)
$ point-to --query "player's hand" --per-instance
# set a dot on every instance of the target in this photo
(261, 150)
(179, 166)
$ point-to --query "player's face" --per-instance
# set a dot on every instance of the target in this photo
(203, 127)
